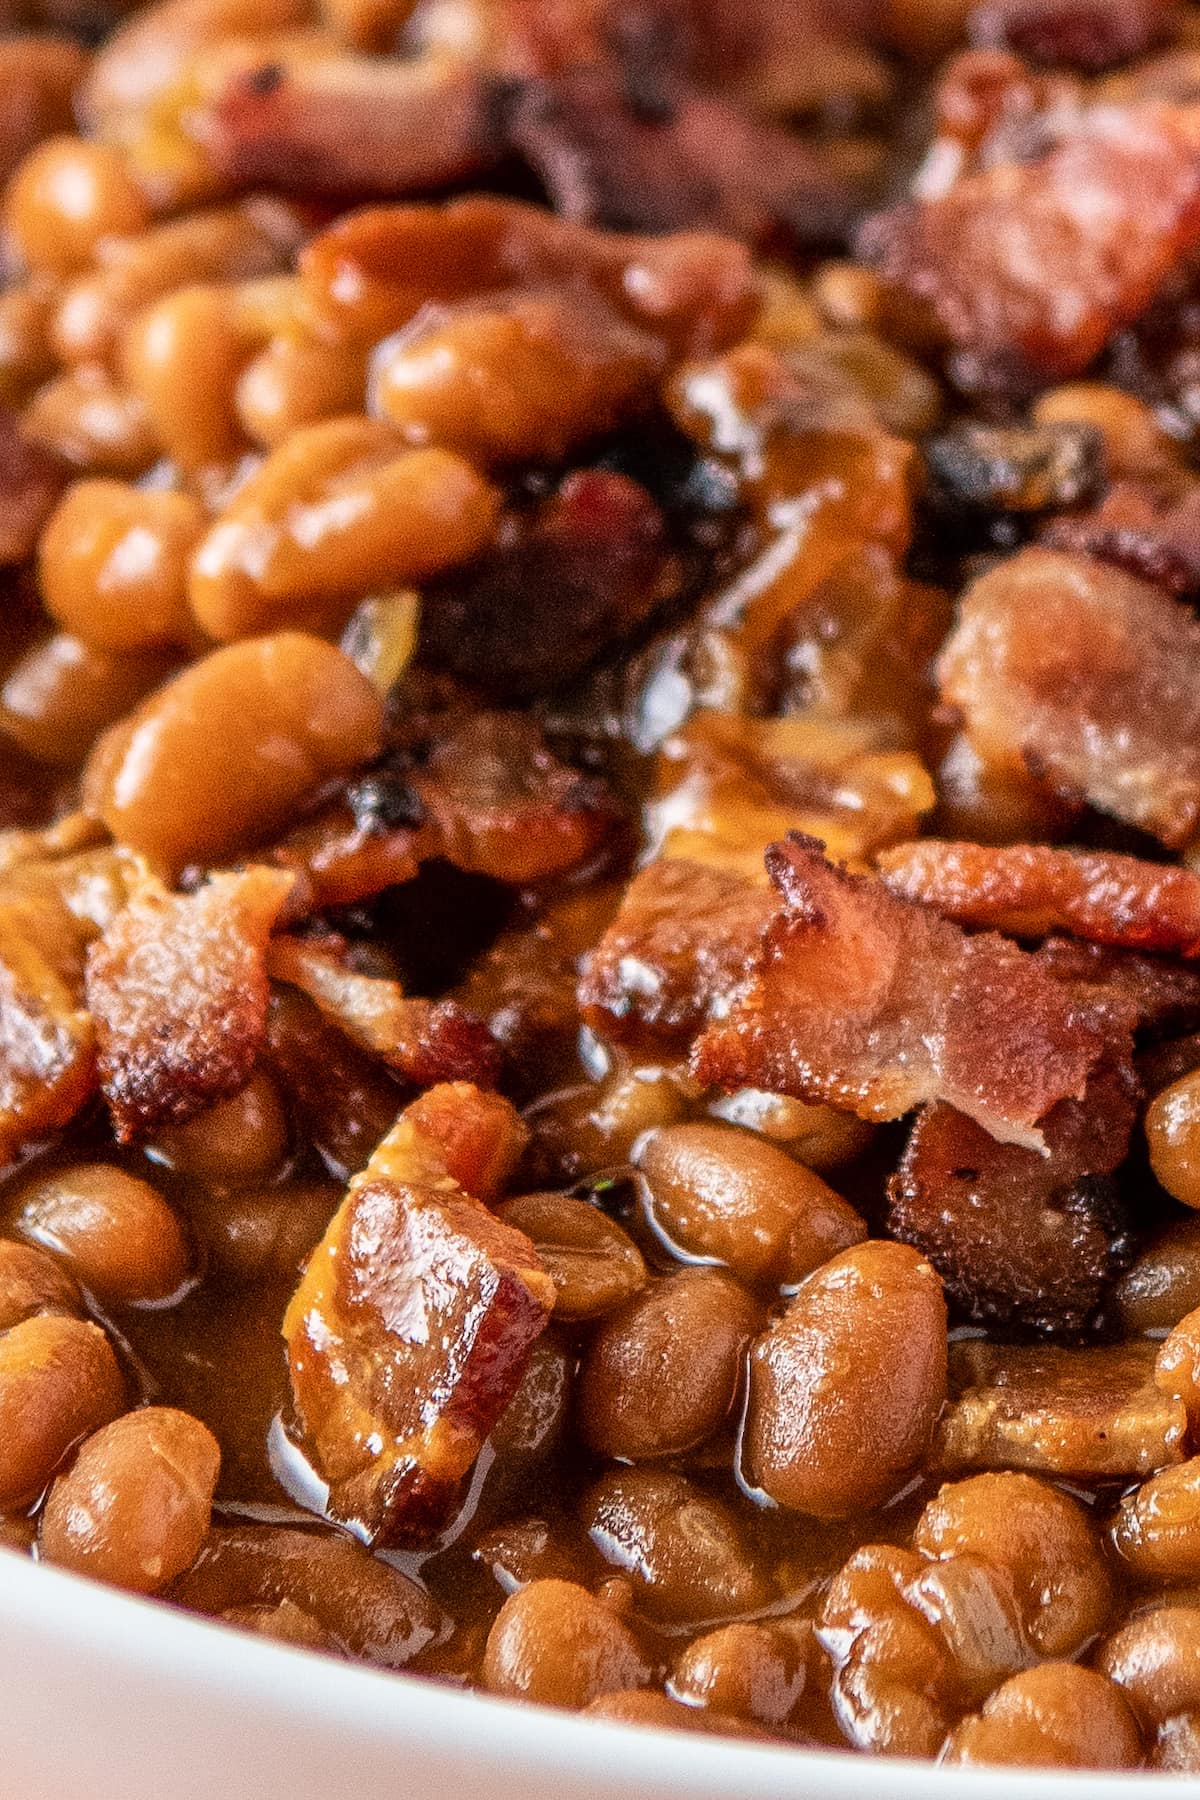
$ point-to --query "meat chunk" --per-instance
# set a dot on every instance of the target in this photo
(1141, 531)
(1028, 268)
(1089, 35)
(31, 480)
(1021, 1239)
(1030, 890)
(47, 1044)
(1094, 1413)
(177, 986)
(1089, 678)
(874, 1005)
(1159, 995)
(410, 1329)
(677, 952)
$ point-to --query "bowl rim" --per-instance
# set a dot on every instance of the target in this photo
(137, 1643)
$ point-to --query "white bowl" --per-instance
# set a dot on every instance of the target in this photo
(103, 1697)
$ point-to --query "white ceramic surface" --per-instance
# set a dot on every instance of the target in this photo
(107, 1698)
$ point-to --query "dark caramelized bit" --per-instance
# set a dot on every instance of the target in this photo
(1160, 996)
(31, 479)
(875, 1005)
(178, 989)
(1030, 890)
(345, 1097)
(1013, 468)
(1028, 268)
(678, 949)
(1089, 678)
(408, 1334)
(1138, 530)
(47, 1043)
(1078, 34)
(1020, 1238)
(1092, 1413)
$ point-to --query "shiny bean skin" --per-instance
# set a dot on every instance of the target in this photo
(115, 1233)
(182, 357)
(594, 1265)
(238, 1142)
(59, 1381)
(1155, 1661)
(682, 1549)
(340, 510)
(1044, 1541)
(66, 196)
(94, 421)
(1157, 1527)
(296, 381)
(659, 1712)
(1173, 1137)
(62, 692)
(32, 1282)
(134, 1507)
(175, 783)
(733, 1197)
(254, 1235)
(1163, 1283)
(556, 1644)
(747, 1671)
(835, 1419)
(113, 562)
(1177, 1368)
(1054, 1716)
(661, 1375)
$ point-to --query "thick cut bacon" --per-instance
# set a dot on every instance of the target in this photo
(1159, 995)
(1030, 890)
(1028, 268)
(874, 1005)
(677, 952)
(1088, 678)
(177, 987)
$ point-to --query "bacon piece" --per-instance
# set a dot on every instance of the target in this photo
(423, 1040)
(1030, 890)
(874, 1005)
(1089, 35)
(1090, 679)
(1159, 995)
(1029, 268)
(1140, 531)
(47, 1044)
(31, 479)
(177, 986)
(411, 1326)
(1094, 1413)
(582, 570)
(346, 1098)
(676, 953)
(1021, 1239)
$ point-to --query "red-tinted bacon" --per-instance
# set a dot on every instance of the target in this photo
(1089, 678)
(1028, 268)
(1029, 890)
(875, 1005)
(1079, 34)
(1139, 531)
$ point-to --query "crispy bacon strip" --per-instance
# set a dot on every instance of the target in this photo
(1028, 268)
(177, 986)
(1089, 678)
(1030, 890)
(874, 1005)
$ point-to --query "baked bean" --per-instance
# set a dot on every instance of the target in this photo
(26, 356)
(115, 1233)
(594, 1265)
(1157, 1527)
(835, 1419)
(985, 803)
(33, 1282)
(66, 196)
(59, 1381)
(134, 1507)
(724, 1194)
(113, 565)
(662, 1374)
(175, 783)
(145, 56)
(1163, 1283)
(182, 357)
(818, 1136)
(526, 1550)
(286, 1623)
(848, 295)
(257, 1235)
(1177, 1368)
(683, 1550)
(1173, 1138)
(1054, 1716)
(62, 692)
(659, 1712)
(339, 510)
(599, 1123)
(1177, 1750)
(532, 1423)
(555, 1643)
(236, 1143)
(1155, 1661)
(93, 421)
(744, 1671)
(295, 381)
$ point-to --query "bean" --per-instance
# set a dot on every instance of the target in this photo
(1164, 1282)
(182, 357)
(683, 1551)
(1155, 1661)
(1157, 1527)
(1044, 1541)
(236, 1143)
(745, 1671)
(835, 1417)
(134, 1507)
(66, 196)
(727, 1195)
(1135, 445)
(286, 1623)
(340, 510)
(174, 783)
(1173, 1138)
(113, 562)
(594, 1265)
(33, 1282)
(93, 421)
(294, 382)
(820, 1137)
(62, 692)
(644, 1706)
(661, 1375)
(1177, 1368)
(59, 1381)
(114, 1232)
(255, 1236)
(1054, 1716)
(556, 1644)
